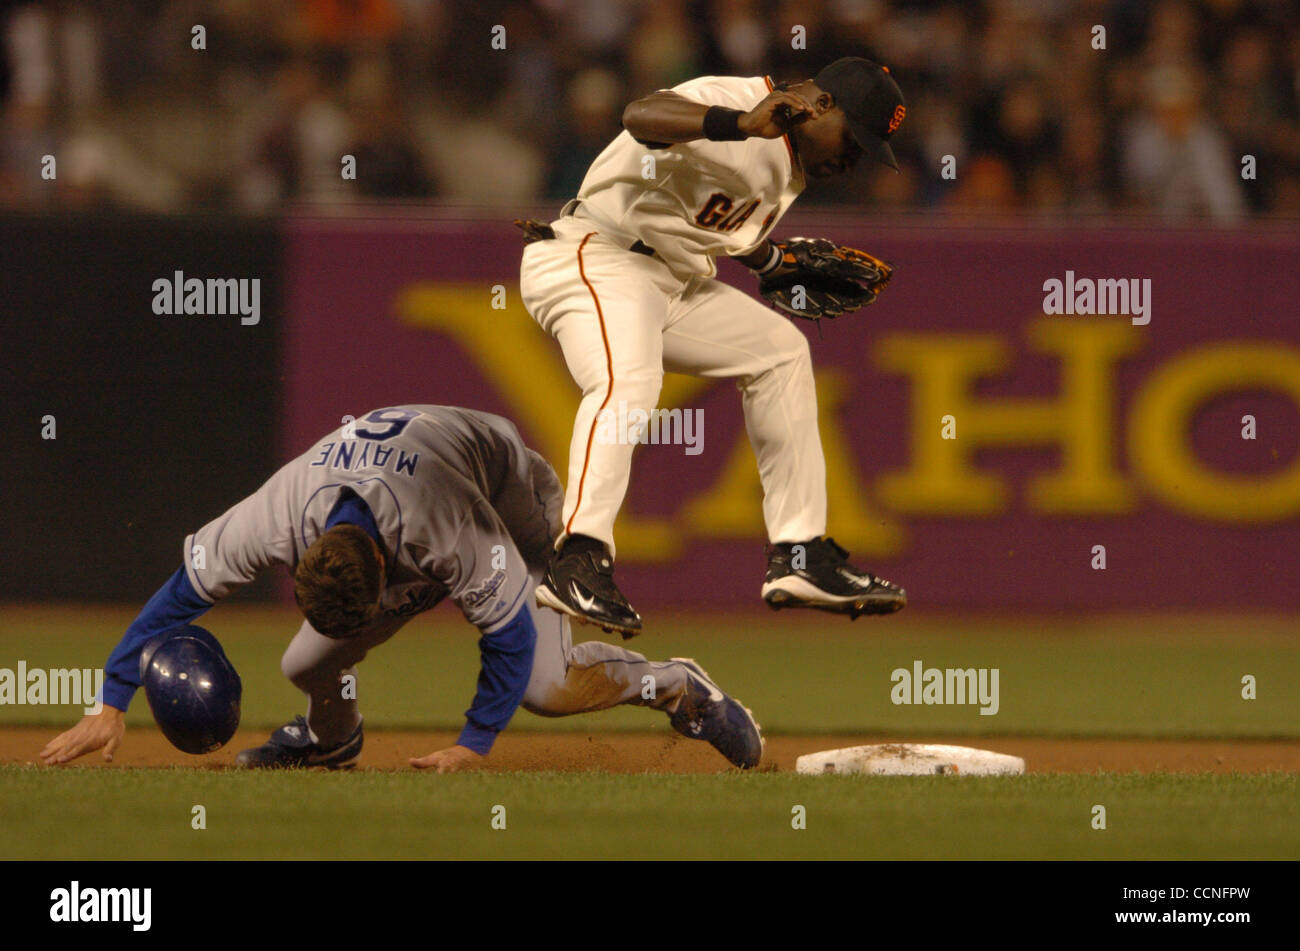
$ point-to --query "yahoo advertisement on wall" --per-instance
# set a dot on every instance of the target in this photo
(1096, 418)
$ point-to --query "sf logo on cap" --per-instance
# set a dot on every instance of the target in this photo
(897, 119)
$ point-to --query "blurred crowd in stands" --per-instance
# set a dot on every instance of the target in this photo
(1034, 116)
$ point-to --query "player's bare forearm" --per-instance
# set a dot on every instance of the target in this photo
(757, 258)
(666, 117)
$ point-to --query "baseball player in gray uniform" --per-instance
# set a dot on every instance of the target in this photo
(379, 521)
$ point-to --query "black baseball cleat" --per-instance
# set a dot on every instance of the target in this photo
(292, 747)
(817, 574)
(579, 582)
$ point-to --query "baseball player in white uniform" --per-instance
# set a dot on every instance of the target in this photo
(624, 280)
(379, 521)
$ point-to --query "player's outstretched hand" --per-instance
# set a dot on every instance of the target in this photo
(451, 760)
(774, 116)
(95, 731)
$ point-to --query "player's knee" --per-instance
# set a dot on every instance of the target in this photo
(553, 699)
(638, 388)
(790, 357)
(299, 676)
(634, 386)
(302, 676)
(543, 709)
(792, 347)
(288, 666)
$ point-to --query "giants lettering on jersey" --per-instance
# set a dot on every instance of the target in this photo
(717, 213)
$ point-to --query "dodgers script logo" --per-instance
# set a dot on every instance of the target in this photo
(480, 593)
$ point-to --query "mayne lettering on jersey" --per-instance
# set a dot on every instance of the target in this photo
(355, 454)
(718, 214)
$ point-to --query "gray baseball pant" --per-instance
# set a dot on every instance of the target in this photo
(567, 678)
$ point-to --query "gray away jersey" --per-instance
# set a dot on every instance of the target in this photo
(464, 509)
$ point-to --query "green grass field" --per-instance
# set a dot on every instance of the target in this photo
(1135, 676)
(83, 813)
(1120, 676)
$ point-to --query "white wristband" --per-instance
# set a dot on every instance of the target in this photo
(772, 262)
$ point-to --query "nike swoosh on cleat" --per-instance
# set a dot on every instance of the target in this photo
(587, 604)
(716, 695)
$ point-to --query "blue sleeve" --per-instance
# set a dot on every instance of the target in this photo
(507, 664)
(174, 605)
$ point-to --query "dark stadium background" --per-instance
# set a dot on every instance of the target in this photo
(224, 161)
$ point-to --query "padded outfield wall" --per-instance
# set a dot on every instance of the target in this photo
(1070, 431)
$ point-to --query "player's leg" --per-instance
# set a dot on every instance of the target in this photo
(718, 331)
(529, 501)
(606, 306)
(317, 665)
(323, 668)
(570, 678)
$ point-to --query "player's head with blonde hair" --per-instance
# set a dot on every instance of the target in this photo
(339, 581)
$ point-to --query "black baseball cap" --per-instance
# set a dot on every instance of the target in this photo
(870, 99)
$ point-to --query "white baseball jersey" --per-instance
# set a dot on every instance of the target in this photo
(623, 317)
(695, 200)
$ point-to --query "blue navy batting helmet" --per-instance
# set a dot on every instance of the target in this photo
(193, 689)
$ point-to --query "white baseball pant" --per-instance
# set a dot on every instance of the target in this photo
(622, 318)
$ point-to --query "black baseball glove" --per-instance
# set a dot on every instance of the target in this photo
(817, 278)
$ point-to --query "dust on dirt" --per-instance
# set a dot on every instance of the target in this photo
(669, 753)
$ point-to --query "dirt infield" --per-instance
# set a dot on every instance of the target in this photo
(669, 753)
